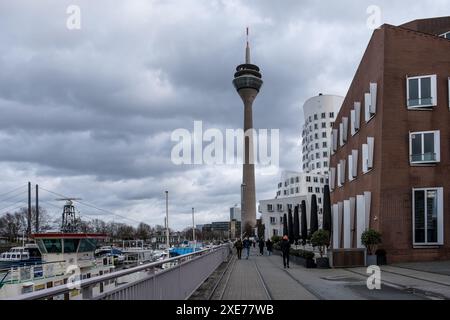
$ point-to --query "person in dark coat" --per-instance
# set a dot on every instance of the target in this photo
(269, 246)
(261, 246)
(285, 247)
(247, 244)
(238, 245)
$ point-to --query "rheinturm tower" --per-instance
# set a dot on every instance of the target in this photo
(248, 82)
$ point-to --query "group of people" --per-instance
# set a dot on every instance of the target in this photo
(246, 244)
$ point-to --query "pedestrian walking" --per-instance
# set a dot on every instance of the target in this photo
(247, 244)
(269, 246)
(238, 245)
(285, 248)
(261, 246)
(254, 243)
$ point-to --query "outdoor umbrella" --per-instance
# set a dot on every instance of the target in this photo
(285, 225)
(314, 215)
(304, 223)
(296, 225)
(326, 225)
(290, 227)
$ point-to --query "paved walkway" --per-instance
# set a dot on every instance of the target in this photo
(264, 278)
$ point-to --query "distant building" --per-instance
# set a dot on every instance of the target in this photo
(235, 229)
(235, 213)
(293, 189)
(199, 227)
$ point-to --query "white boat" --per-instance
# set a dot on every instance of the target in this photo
(17, 256)
(136, 253)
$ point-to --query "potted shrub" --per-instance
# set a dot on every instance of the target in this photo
(371, 239)
(321, 240)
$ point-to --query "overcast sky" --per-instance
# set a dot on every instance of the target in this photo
(89, 113)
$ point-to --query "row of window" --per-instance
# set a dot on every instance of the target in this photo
(322, 116)
(367, 151)
(316, 127)
(296, 190)
(315, 146)
(340, 136)
(296, 180)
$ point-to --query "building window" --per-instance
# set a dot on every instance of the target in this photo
(317, 190)
(324, 145)
(316, 117)
(324, 115)
(428, 213)
(324, 125)
(319, 200)
(297, 190)
(275, 232)
(325, 154)
(292, 180)
(324, 134)
(292, 190)
(279, 207)
(331, 114)
(321, 180)
(316, 179)
(325, 164)
(310, 189)
(285, 192)
(316, 127)
(425, 147)
(273, 220)
(308, 179)
(318, 165)
(270, 207)
(421, 91)
(297, 180)
(331, 124)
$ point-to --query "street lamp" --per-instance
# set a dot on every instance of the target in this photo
(167, 221)
(193, 229)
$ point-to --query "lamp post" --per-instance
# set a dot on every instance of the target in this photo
(193, 229)
(167, 221)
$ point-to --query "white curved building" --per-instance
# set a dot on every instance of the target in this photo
(320, 112)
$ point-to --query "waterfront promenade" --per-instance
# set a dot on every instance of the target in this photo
(264, 278)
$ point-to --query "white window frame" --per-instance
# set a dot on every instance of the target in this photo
(437, 147)
(270, 207)
(355, 118)
(440, 217)
(433, 92)
(370, 102)
(332, 179)
(368, 155)
(334, 141)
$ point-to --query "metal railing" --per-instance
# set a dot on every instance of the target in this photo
(179, 281)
